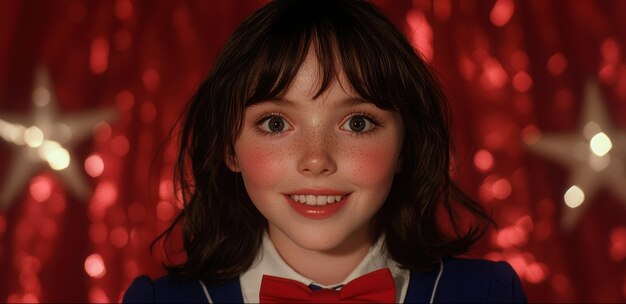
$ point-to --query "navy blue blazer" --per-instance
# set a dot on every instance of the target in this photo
(462, 280)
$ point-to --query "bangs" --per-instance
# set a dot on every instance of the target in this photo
(343, 43)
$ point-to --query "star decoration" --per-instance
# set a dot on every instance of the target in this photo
(44, 137)
(595, 157)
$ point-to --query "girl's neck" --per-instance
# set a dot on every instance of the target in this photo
(324, 267)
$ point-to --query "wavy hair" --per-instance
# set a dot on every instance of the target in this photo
(221, 228)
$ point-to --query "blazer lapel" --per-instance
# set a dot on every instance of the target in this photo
(229, 292)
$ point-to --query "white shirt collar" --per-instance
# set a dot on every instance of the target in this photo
(269, 262)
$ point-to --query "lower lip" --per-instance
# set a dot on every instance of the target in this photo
(317, 212)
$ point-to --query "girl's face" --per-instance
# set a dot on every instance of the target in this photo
(320, 168)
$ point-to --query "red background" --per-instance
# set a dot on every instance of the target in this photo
(509, 67)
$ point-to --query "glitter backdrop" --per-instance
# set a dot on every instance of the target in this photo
(89, 91)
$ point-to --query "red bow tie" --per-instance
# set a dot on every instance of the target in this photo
(377, 286)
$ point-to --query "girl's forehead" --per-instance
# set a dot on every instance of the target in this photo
(309, 77)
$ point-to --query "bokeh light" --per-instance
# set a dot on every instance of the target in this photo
(483, 160)
(41, 188)
(494, 75)
(600, 144)
(560, 283)
(494, 187)
(522, 82)
(131, 269)
(41, 96)
(501, 12)
(610, 51)
(166, 189)
(557, 64)
(119, 237)
(120, 145)
(104, 196)
(94, 165)
(165, 210)
(94, 266)
(618, 244)
(501, 189)
(574, 197)
(33, 137)
(123, 9)
(124, 100)
(97, 295)
(151, 79)
(442, 9)
(99, 56)
(102, 132)
(55, 154)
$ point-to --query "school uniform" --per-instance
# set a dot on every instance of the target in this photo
(455, 280)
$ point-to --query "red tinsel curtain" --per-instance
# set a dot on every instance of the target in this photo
(89, 91)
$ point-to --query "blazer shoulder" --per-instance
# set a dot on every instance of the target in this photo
(477, 280)
(167, 289)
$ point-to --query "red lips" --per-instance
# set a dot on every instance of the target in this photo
(318, 212)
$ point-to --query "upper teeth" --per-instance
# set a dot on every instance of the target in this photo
(313, 200)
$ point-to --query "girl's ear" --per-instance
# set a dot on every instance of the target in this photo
(231, 160)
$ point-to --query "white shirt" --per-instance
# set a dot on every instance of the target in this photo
(268, 261)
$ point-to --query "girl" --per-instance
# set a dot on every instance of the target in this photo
(315, 167)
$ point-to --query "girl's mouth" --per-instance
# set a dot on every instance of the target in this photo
(316, 200)
(317, 206)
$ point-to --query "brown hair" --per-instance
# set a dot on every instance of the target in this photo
(222, 229)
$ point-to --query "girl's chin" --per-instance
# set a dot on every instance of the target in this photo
(322, 246)
(327, 243)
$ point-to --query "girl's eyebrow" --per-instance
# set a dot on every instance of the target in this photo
(350, 101)
(353, 101)
(276, 102)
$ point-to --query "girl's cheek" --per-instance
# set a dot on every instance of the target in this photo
(375, 165)
(260, 165)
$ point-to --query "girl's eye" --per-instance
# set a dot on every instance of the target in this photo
(358, 124)
(273, 124)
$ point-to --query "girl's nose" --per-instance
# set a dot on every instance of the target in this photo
(316, 156)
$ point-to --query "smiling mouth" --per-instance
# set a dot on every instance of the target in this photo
(316, 200)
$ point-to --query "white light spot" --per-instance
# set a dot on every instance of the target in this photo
(600, 144)
(16, 134)
(574, 197)
(12, 132)
(57, 157)
(46, 148)
(33, 137)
